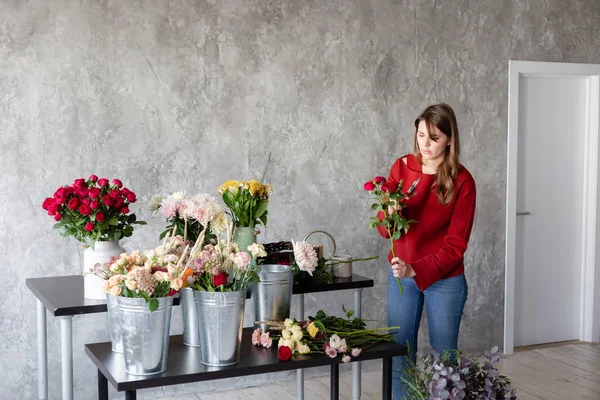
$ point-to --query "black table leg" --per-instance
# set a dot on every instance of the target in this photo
(102, 387)
(387, 379)
(334, 380)
(130, 395)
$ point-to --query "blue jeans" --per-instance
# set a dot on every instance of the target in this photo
(444, 302)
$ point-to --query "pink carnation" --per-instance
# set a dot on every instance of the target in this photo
(256, 336)
(265, 340)
(356, 352)
(331, 352)
(169, 208)
(241, 259)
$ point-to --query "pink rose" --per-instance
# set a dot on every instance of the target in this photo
(93, 178)
(369, 186)
(100, 216)
(89, 227)
(102, 182)
(117, 183)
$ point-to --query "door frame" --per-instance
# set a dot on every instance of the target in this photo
(589, 329)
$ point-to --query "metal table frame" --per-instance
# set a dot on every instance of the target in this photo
(63, 298)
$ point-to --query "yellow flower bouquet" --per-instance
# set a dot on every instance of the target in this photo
(247, 201)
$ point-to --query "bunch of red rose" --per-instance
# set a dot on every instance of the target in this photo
(94, 208)
(389, 202)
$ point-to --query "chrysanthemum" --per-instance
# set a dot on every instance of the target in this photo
(155, 203)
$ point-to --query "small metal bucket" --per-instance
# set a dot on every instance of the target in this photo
(190, 317)
(220, 319)
(145, 334)
(272, 296)
(114, 323)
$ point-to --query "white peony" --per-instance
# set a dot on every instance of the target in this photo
(305, 256)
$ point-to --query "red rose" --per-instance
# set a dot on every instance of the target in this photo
(57, 217)
(100, 216)
(47, 202)
(73, 203)
(102, 182)
(94, 204)
(131, 197)
(86, 201)
(284, 353)
(119, 202)
(369, 186)
(125, 192)
(117, 183)
(93, 178)
(379, 179)
(61, 195)
(89, 227)
(389, 187)
(124, 210)
(83, 192)
(172, 292)
(53, 208)
(114, 193)
(79, 182)
(221, 279)
(94, 193)
(106, 199)
(84, 209)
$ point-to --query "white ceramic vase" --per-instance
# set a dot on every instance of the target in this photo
(101, 253)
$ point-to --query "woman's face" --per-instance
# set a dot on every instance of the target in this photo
(431, 149)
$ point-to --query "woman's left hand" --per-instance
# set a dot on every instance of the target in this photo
(401, 269)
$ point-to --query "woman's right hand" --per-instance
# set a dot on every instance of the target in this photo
(401, 269)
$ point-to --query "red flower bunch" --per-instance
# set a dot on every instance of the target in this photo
(389, 202)
(93, 210)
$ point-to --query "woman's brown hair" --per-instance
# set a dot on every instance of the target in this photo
(442, 117)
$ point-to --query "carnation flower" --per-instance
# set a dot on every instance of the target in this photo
(256, 336)
(305, 256)
(346, 359)
(257, 250)
(265, 340)
(356, 352)
(331, 352)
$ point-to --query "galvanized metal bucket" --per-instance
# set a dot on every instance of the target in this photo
(114, 323)
(190, 317)
(272, 296)
(220, 322)
(145, 334)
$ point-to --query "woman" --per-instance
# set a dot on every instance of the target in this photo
(430, 256)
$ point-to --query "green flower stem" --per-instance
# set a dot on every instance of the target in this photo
(394, 255)
(352, 260)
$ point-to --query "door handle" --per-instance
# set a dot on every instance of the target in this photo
(523, 213)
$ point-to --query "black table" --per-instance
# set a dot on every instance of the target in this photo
(62, 296)
(183, 366)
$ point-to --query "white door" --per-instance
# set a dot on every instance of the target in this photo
(548, 251)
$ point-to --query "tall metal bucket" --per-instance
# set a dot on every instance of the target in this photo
(220, 322)
(190, 317)
(145, 334)
(272, 296)
(114, 323)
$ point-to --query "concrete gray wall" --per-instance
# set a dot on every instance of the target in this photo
(314, 97)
